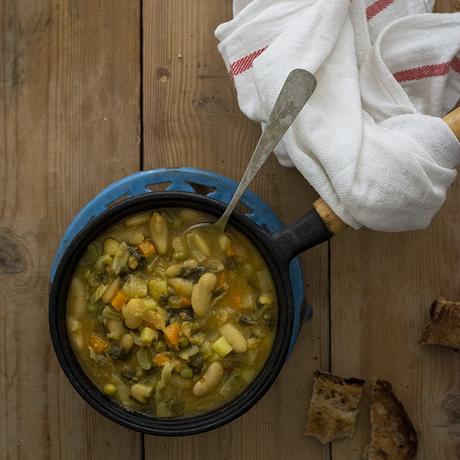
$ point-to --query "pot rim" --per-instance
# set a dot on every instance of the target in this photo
(179, 426)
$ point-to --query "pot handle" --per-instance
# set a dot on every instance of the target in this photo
(321, 223)
(305, 233)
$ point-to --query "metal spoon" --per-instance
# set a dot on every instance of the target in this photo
(296, 91)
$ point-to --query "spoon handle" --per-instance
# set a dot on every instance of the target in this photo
(296, 91)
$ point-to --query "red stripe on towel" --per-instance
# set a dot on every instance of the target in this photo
(426, 71)
(377, 7)
(244, 63)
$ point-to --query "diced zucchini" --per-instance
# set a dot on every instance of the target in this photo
(148, 335)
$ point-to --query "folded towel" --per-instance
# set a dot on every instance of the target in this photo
(369, 140)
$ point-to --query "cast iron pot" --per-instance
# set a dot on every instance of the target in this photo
(278, 250)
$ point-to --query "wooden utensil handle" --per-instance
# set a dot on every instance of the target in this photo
(334, 223)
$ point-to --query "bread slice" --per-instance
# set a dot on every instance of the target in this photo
(333, 407)
(393, 436)
(444, 327)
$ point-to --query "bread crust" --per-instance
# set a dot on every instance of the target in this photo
(393, 436)
(333, 407)
(444, 326)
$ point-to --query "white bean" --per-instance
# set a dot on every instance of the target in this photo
(234, 337)
(159, 232)
(77, 298)
(181, 286)
(210, 379)
(78, 306)
(202, 293)
(111, 290)
(140, 392)
(136, 220)
(127, 341)
(187, 214)
(132, 313)
(173, 270)
(178, 244)
(115, 329)
(134, 237)
(73, 324)
(111, 246)
(198, 246)
(224, 242)
(77, 340)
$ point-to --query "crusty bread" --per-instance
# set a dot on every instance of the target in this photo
(444, 326)
(392, 437)
(333, 407)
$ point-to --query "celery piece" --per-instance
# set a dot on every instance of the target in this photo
(102, 261)
(222, 347)
(97, 294)
(90, 256)
(189, 352)
(143, 358)
(135, 287)
(120, 259)
(158, 288)
(110, 313)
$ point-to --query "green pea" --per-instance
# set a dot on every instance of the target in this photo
(159, 346)
(186, 373)
(184, 342)
(91, 307)
(110, 389)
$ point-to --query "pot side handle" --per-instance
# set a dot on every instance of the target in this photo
(321, 223)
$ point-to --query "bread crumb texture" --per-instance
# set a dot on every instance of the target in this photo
(333, 407)
(392, 436)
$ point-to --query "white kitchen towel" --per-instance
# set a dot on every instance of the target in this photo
(369, 140)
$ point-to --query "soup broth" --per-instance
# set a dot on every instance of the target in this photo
(169, 321)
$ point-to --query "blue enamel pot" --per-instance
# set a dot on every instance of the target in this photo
(278, 245)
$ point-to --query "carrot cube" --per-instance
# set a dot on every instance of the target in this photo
(147, 248)
(99, 345)
(119, 300)
(161, 359)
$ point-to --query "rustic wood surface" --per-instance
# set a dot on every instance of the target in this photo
(92, 90)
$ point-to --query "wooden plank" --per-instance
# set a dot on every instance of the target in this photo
(447, 6)
(381, 288)
(191, 117)
(69, 121)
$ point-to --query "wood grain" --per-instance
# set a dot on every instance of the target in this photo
(382, 286)
(70, 124)
(69, 120)
(191, 117)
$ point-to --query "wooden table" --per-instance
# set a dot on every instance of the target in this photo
(93, 90)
